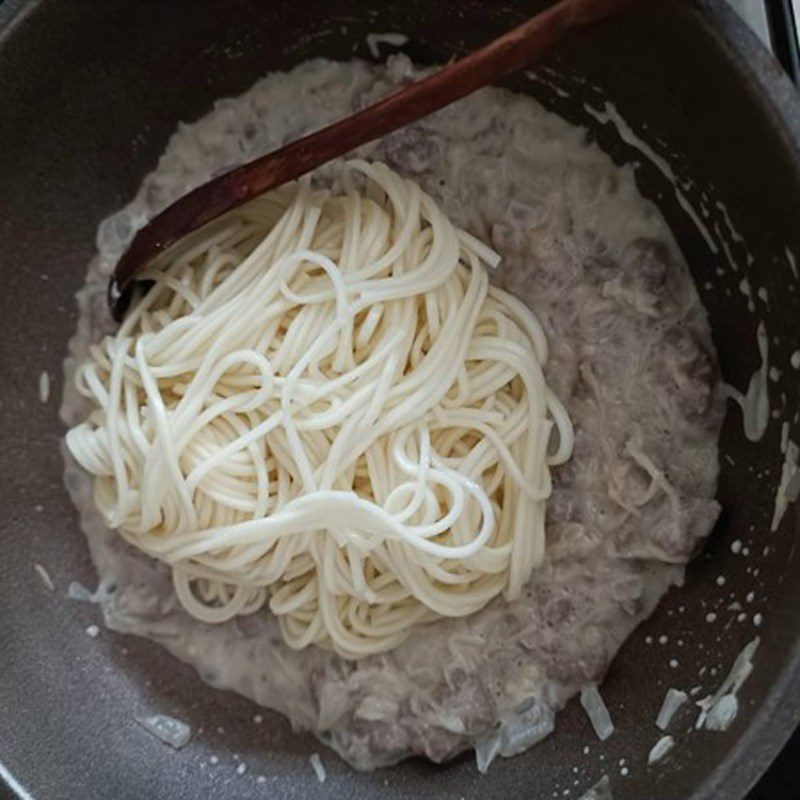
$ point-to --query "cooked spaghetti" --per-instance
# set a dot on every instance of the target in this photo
(321, 405)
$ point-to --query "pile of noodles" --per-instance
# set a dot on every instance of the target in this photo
(322, 406)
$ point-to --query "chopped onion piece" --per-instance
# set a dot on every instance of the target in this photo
(169, 730)
(600, 791)
(518, 731)
(318, 767)
(486, 750)
(660, 749)
(77, 591)
(673, 700)
(598, 714)
(374, 708)
(722, 713)
(45, 576)
(524, 730)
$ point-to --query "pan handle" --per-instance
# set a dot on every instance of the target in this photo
(784, 36)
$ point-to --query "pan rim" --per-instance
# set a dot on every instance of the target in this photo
(767, 733)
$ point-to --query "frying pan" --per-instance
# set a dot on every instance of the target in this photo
(89, 93)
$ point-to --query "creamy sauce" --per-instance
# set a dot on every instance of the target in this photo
(755, 403)
(631, 357)
(733, 232)
(610, 115)
(746, 290)
(792, 262)
(375, 40)
(726, 248)
(789, 484)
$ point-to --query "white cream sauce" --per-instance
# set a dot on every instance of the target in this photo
(375, 40)
(755, 403)
(789, 484)
(610, 115)
(792, 262)
(631, 357)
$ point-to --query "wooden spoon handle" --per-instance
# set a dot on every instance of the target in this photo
(502, 57)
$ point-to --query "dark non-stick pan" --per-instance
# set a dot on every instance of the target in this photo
(89, 93)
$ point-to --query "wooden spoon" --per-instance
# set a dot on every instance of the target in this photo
(510, 53)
